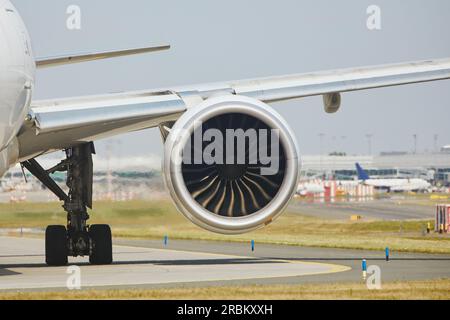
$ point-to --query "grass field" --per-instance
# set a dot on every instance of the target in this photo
(435, 289)
(140, 219)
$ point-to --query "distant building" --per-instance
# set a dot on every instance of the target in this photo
(445, 149)
(394, 153)
(392, 165)
(442, 176)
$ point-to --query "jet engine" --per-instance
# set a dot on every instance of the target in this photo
(231, 164)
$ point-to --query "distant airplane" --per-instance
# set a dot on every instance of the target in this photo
(310, 188)
(394, 184)
(228, 198)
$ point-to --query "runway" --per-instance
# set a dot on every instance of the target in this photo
(383, 209)
(151, 264)
(22, 267)
(401, 267)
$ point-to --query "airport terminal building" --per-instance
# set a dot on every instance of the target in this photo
(431, 166)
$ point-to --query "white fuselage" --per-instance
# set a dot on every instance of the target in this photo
(17, 69)
(310, 188)
(399, 185)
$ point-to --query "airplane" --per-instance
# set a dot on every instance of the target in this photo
(309, 188)
(393, 185)
(228, 198)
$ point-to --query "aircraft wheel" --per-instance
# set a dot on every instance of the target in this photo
(56, 246)
(101, 247)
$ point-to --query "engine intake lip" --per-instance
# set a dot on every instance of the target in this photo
(172, 165)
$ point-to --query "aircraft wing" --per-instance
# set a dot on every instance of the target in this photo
(58, 124)
(90, 56)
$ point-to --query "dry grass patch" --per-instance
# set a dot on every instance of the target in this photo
(140, 219)
(430, 290)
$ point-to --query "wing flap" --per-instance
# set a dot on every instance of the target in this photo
(125, 107)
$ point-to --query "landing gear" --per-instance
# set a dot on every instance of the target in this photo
(78, 239)
(101, 251)
(56, 246)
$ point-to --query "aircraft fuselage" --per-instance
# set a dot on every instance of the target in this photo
(17, 69)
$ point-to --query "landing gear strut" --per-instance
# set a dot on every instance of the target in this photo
(78, 238)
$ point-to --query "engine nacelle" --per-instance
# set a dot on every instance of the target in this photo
(231, 164)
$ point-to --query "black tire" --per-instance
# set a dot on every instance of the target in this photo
(100, 235)
(56, 246)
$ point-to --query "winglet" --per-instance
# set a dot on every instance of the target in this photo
(63, 60)
(362, 174)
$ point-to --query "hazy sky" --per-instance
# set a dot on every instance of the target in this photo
(230, 40)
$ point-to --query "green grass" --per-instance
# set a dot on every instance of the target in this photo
(140, 219)
(432, 289)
